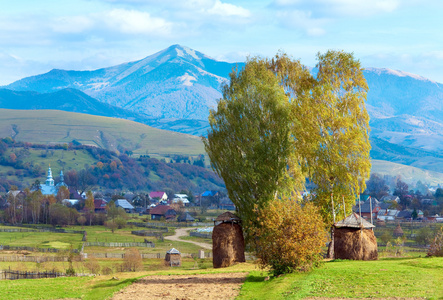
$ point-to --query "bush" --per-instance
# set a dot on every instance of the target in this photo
(92, 265)
(132, 261)
(289, 236)
(424, 236)
(107, 271)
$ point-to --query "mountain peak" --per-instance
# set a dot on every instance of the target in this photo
(398, 73)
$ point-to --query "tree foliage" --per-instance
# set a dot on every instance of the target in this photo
(335, 146)
(249, 142)
(291, 236)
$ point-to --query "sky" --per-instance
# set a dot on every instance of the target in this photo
(37, 36)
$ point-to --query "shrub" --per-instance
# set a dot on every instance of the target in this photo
(424, 236)
(107, 270)
(288, 236)
(92, 265)
(132, 261)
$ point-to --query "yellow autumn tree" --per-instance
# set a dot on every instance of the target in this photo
(289, 236)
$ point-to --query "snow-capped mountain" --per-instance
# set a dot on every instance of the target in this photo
(177, 82)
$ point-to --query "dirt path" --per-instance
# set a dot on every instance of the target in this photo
(179, 232)
(185, 287)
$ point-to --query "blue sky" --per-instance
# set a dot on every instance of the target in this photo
(37, 36)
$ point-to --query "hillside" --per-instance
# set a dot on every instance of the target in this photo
(84, 167)
(408, 174)
(58, 127)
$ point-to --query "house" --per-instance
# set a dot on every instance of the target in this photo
(70, 202)
(159, 196)
(365, 208)
(186, 218)
(390, 199)
(387, 214)
(183, 198)
(210, 198)
(163, 211)
(123, 203)
(226, 204)
(404, 215)
(210, 194)
(100, 205)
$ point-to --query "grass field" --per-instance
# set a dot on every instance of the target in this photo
(386, 278)
(41, 239)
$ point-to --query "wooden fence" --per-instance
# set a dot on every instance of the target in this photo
(101, 244)
(33, 249)
(174, 224)
(8, 274)
(201, 234)
(143, 255)
(31, 228)
(36, 259)
(157, 234)
(157, 226)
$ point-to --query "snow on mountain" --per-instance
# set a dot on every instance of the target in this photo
(177, 82)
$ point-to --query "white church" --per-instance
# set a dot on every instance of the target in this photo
(49, 188)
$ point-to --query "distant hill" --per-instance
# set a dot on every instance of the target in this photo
(408, 174)
(58, 127)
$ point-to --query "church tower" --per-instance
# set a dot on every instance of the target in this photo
(49, 179)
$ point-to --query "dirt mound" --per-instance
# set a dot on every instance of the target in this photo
(354, 243)
(202, 286)
(228, 245)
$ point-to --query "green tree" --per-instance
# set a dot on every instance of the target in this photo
(249, 142)
(335, 145)
(35, 205)
(62, 193)
(424, 236)
(376, 186)
(89, 207)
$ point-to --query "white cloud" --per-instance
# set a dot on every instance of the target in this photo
(136, 22)
(228, 10)
(72, 24)
(337, 8)
(303, 20)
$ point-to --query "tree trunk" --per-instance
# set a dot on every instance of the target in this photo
(331, 245)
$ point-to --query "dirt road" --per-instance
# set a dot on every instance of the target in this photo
(179, 232)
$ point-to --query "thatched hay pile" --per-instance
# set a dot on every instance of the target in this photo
(355, 243)
(380, 223)
(228, 245)
(436, 248)
(398, 232)
(173, 258)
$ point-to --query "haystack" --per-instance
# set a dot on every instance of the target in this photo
(228, 244)
(354, 239)
(380, 223)
(398, 232)
(173, 258)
